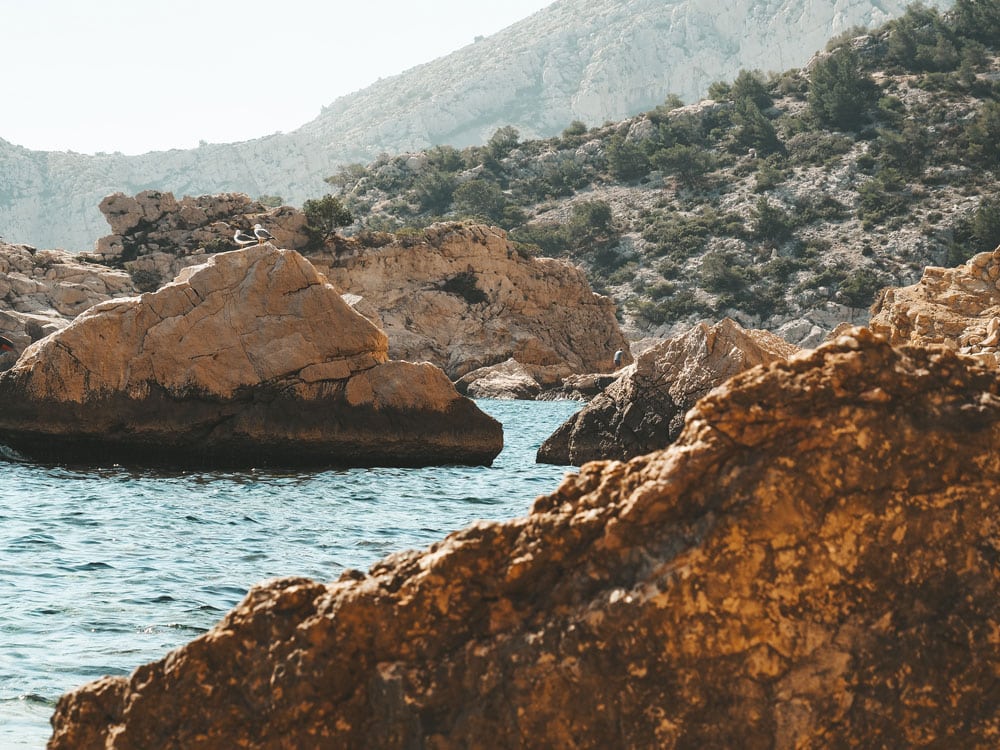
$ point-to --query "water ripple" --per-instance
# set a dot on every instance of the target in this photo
(104, 570)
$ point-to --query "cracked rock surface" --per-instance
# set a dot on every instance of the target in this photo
(813, 563)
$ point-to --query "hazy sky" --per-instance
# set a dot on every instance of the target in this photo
(143, 75)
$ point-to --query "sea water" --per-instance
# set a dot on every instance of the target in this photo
(106, 569)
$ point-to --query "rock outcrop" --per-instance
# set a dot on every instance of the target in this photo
(812, 564)
(155, 236)
(955, 307)
(512, 380)
(643, 410)
(249, 359)
(463, 298)
(41, 291)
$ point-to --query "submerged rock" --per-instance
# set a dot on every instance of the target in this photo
(250, 359)
(812, 564)
(644, 409)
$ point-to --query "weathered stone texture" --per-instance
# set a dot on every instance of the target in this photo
(812, 564)
(956, 307)
(250, 359)
(463, 298)
(42, 290)
(643, 410)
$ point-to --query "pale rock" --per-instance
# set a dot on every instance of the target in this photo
(954, 307)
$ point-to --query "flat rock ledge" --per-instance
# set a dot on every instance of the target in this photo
(251, 359)
(814, 563)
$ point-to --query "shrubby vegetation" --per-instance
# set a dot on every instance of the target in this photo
(695, 246)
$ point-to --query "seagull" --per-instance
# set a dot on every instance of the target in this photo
(262, 234)
(6, 345)
(241, 238)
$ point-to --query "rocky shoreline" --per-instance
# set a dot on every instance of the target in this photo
(812, 562)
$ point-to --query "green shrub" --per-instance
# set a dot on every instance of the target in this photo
(858, 289)
(840, 93)
(324, 216)
(464, 285)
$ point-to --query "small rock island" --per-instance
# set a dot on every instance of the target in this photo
(250, 359)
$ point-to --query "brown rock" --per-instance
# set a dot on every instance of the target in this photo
(956, 307)
(250, 359)
(644, 409)
(42, 290)
(463, 298)
(156, 236)
(812, 564)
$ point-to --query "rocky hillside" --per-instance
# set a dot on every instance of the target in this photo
(587, 60)
(785, 201)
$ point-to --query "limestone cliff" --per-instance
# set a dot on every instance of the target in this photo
(644, 409)
(812, 564)
(462, 297)
(251, 359)
(957, 307)
(591, 60)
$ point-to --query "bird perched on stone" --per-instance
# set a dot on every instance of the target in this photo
(6, 345)
(262, 234)
(241, 238)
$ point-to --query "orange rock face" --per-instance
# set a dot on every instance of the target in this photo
(463, 298)
(814, 563)
(956, 307)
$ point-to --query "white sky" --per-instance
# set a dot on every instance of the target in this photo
(145, 75)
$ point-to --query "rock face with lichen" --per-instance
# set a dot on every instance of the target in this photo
(643, 410)
(250, 359)
(956, 307)
(812, 564)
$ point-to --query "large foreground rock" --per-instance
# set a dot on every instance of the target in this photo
(250, 359)
(812, 564)
(644, 409)
(957, 307)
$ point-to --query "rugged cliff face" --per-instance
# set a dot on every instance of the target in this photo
(42, 290)
(462, 297)
(813, 563)
(592, 60)
(643, 410)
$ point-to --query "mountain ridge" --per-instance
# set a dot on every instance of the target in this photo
(594, 60)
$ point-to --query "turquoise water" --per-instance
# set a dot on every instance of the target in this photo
(101, 571)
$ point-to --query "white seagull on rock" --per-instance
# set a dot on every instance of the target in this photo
(262, 234)
(241, 238)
